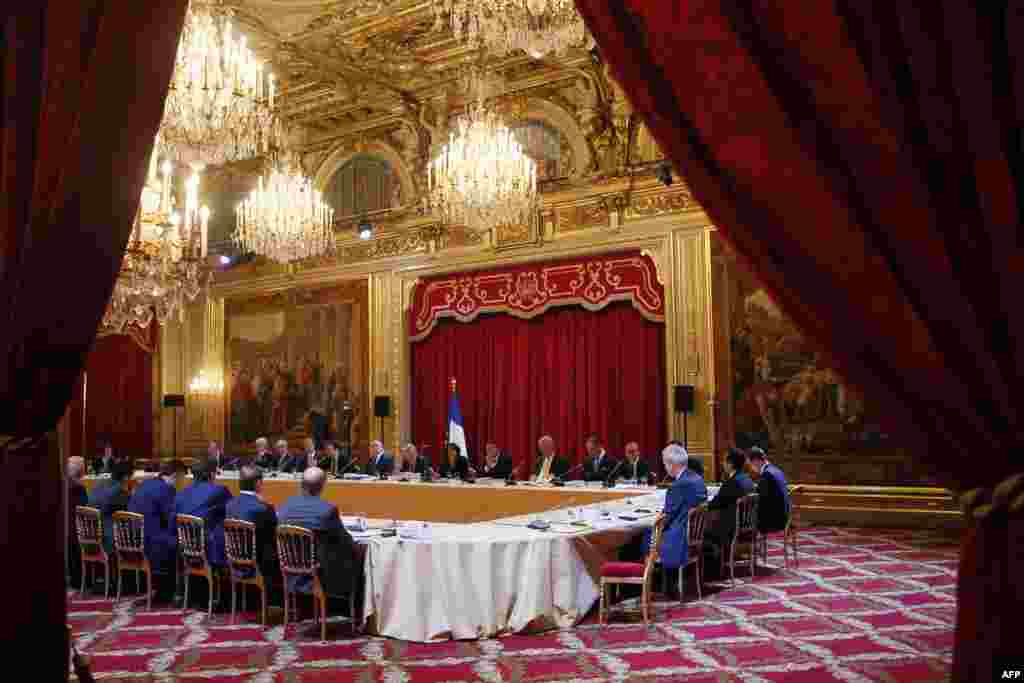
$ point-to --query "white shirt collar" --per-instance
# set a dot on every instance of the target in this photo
(763, 467)
(248, 493)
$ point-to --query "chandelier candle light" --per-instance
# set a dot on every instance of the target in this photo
(482, 178)
(537, 27)
(220, 106)
(164, 265)
(285, 219)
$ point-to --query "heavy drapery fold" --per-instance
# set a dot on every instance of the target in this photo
(865, 159)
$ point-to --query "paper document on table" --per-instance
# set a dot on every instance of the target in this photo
(563, 528)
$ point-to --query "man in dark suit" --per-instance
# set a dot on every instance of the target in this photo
(773, 503)
(549, 463)
(340, 573)
(737, 484)
(380, 461)
(412, 461)
(329, 459)
(110, 497)
(77, 495)
(686, 492)
(599, 465)
(288, 461)
(454, 465)
(249, 506)
(208, 500)
(154, 500)
(634, 468)
(496, 464)
(265, 458)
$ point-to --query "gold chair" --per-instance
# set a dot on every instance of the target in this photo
(696, 521)
(89, 527)
(746, 534)
(243, 570)
(130, 552)
(192, 549)
(297, 552)
(789, 534)
(632, 573)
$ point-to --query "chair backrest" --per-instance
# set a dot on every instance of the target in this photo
(89, 526)
(794, 491)
(746, 513)
(192, 538)
(240, 544)
(696, 521)
(656, 534)
(128, 532)
(296, 548)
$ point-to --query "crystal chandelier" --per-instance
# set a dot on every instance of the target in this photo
(285, 219)
(164, 265)
(206, 385)
(482, 177)
(220, 106)
(536, 27)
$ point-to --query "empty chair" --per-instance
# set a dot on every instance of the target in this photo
(243, 569)
(745, 534)
(89, 527)
(130, 553)
(634, 573)
(192, 550)
(297, 552)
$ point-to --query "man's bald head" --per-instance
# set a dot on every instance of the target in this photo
(313, 480)
(546, 445)
(75, 467)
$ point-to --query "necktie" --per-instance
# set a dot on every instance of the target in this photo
(545, 470)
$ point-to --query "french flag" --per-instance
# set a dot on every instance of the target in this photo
(456, 432)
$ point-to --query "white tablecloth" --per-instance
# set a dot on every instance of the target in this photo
(491, 578)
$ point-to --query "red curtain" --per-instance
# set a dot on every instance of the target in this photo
(567, 373)
(81, 96)
(862, 152)
(118, 401)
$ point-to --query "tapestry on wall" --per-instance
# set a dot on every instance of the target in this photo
(787, 400)
(297, 365)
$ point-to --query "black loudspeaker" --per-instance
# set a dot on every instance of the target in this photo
(382, 406)
(174, 400)
(684, 398)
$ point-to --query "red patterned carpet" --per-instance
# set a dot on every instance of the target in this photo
(864, 606)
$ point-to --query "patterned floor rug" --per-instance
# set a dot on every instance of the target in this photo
(864, 606)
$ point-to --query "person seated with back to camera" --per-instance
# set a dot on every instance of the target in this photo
(208, 500)
(721, 527)
(250, 506)
(154, 500)
(773, 502)
(455, 464)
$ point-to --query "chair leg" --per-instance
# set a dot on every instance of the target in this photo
(244, 606)
(234, 598)
(753, 559)
(700, 575)
(85, 570)
(263, 604)
(107, 580)
(212, 585)
(184, 605)
(732, 564)
(323, 617)
(601, 605)
(287, 602)
(645, 603)
(120, 574)
(149, 590)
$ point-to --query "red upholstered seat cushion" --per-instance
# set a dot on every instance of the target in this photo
(622, 569)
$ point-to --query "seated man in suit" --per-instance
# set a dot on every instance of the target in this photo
(454, 465)
(291, 462)
(265, 459)
(773, 503)
(208, 500)
(110, 497)
(634, 468)
(719, 531)
(549, 464)
(380, 461)
(412, 461)
(329, 459)
(249, 506)
(154, 500)
(599, 465)
(496, 464)
(687, 492)
(77, 495)
(340, 572)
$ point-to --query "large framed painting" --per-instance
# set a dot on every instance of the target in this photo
(297, 366)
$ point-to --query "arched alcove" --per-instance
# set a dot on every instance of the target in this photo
(402, 190)
(365, 183)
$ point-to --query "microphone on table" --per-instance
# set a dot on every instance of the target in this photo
(352, 461)
(510, 480)
(609, 481)
(560, 481)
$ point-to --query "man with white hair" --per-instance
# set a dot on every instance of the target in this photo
(339, 571)
(412, 461)
(77, 495)
(549, 464)
(687, 491)
(380, 461)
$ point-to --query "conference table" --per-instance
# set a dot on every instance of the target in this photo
(451, 560)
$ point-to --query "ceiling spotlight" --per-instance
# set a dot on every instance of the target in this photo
(663, 171)
(365, 230)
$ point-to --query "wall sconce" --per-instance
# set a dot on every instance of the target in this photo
(205, 386)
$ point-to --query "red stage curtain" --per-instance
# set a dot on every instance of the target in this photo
(82, 93)
(567, 373)
(857, 153)
(119, 402)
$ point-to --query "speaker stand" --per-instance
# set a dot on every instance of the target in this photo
(686, 441)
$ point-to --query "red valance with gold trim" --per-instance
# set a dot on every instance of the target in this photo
(529, 290)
